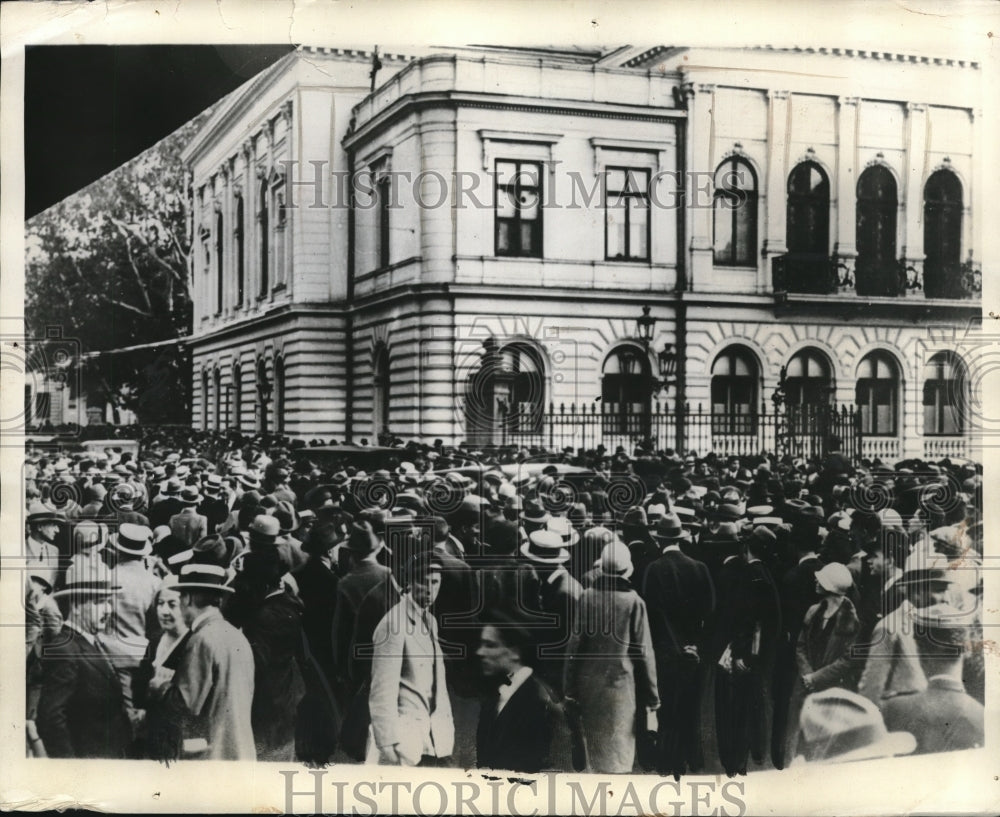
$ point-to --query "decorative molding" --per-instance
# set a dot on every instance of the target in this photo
(379, 160)
(659, 149)
(772, 94)
(916, 107)
(538, 143)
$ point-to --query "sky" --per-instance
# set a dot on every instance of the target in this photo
(89, 109)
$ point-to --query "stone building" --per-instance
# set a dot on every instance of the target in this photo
(795, 221)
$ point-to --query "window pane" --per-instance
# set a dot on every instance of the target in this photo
(723, 232)
(528, 203)
(528, 237)
(638, 219)
(505, 204)
(504, 231)
(528, 175)
(865, 369)
(638, 182)
(740, 366)
(615, 180)
(616, 231)
(746, 238)
(505, 172)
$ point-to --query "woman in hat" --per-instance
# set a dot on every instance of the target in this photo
(162, 734)
(823, 653)
(610, 669)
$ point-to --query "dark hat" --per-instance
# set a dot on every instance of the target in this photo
(502, 535)
(190, 495)
(423, 563)
(321, 539)
(210, 549)
(362, 540)
(727, 512)
(762, 537)
(203, 577)
(535, 512)
(669, 529)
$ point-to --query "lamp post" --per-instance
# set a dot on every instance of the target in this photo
(779, 398)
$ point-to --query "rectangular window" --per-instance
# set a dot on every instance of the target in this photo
(383, 192)
(518, 209)
(626, 205)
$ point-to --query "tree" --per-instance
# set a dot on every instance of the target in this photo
(109, 265)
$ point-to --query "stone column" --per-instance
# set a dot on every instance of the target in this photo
(911, 239)
(847, 160)
(701, 169)
(774, 189)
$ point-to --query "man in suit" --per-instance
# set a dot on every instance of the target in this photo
(189, 526)
(213, 685)
(942, 717)
(166, 504)
(517, 720)
(214, 507)
(81, 709)
(680, 599)
(40, 551)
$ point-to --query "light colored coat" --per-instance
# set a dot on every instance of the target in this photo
(409, 699)
(893, 664)
(189, 526)
(215, 679)
(611, 670)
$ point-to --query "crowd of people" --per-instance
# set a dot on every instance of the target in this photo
(230, 598)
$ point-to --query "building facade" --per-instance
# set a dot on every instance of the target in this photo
(796, 223)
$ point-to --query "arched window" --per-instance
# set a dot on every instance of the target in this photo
(204, 399)
(263, 395)
(220, 243)
(265, 237)
(735, 204)
(807, 218)
(942, 235)
(625, 391)
(877, 272)
(236, 420)
(946, 395)
(216, 400)
(380, 390)
(735, 379)
(877, 394)
(807, 379)
(520, 383)
(238, 237)
(279, 394)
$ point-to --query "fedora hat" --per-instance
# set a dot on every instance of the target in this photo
(839, 726)
(203, 577)
(535, 513)
(264, 529)
(88, 588)
(545, 547)
(39, 514)
(134, 540)
(190, 495)
(669, 529)
(362, 540)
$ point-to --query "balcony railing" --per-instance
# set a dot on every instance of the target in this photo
(936, 448)
(808, 273)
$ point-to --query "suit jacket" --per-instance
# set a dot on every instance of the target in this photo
(377, 602)
(409, 702)
(680, 598)
(728, 582)
(758, 625)
(81, 711)
(943, 718)
(351, 591)
(798, 594)
(189, 526)
(519, 737)
(892, 663)
(215, 510)
(825, 651)
(215, 679)
(163, 508)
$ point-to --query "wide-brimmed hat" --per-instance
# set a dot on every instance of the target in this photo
(134, 540)
(760, 510)
(835, 578)
(40, 514)
(362, 540)
(203, 577)
(249, 482)
(88, 588)
(840, 726)
(545, 547)
(213, 484)
(190, 495)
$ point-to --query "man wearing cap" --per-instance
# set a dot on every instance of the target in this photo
(409, 703)
(188, 525)
(81, 709)
(942, 717)
(214, 681)
(680, 597)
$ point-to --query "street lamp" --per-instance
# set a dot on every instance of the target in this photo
(779, 396)
(644, 327)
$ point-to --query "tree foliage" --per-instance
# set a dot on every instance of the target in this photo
(109, 266)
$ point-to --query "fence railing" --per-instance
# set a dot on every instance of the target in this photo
(801, 431)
